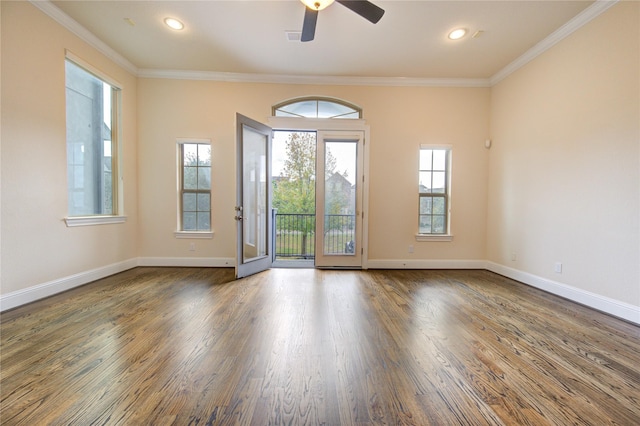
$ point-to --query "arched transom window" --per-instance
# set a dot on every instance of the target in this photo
(317, 108)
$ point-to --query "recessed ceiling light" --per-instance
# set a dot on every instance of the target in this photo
(457, 33)
(173, 23)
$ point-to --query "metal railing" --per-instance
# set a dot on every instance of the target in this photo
(339, 234)
(295, 236)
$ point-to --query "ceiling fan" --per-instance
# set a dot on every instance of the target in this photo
(364, 8)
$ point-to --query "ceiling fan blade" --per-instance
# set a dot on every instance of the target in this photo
(309, 24)
(364, 8)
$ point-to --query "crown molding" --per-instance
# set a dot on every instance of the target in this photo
(584, 17)
(312, 79)
(87, 36)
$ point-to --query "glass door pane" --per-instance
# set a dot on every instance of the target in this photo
(340, 159)
(254, 195)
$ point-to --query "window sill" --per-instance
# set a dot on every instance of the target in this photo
(434, 237)
(93, 220)
(194, 234)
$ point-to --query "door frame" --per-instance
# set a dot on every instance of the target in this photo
(340, 260)
(320, 125)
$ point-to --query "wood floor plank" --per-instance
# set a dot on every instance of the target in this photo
(303, 346)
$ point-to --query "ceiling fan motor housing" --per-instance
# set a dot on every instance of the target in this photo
(364, 8)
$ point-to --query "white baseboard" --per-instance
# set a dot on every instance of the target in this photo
(40, 291)
(191, 262)
(610, 306)
(425, 264)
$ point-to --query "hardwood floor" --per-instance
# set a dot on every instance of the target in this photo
(190, 346)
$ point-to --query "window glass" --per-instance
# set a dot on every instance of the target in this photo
(439, 159)
(433, 190)
(317, 108)
(328, 109)
(91, 143)
(195, 186)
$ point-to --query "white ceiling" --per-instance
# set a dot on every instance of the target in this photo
(248, 37)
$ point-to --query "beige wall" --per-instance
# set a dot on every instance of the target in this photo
(400, 120)
(564, 181)
(37, 246)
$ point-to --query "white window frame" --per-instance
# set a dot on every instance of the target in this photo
(279, 110)
(116, 149)
(446, 236)
(180, 233)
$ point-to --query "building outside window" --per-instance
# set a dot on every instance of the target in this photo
(195, 186)
(433, 193)
(92, 121)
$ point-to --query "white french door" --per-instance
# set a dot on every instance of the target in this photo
(253, 197)
(339, 199)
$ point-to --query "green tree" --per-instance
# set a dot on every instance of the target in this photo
(295, 190)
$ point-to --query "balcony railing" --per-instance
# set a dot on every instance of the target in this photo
(295, 236)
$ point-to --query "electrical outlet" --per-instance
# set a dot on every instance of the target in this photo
(411, 249)
(192, 247)
(557, 267)
(514, 256)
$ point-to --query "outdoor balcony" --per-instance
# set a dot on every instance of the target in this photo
(295, 236)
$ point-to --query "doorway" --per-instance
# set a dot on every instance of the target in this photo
(317, 198)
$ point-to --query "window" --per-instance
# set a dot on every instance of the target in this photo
(434, 177)
(195, 186)
(92, 146)
(317, 108)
